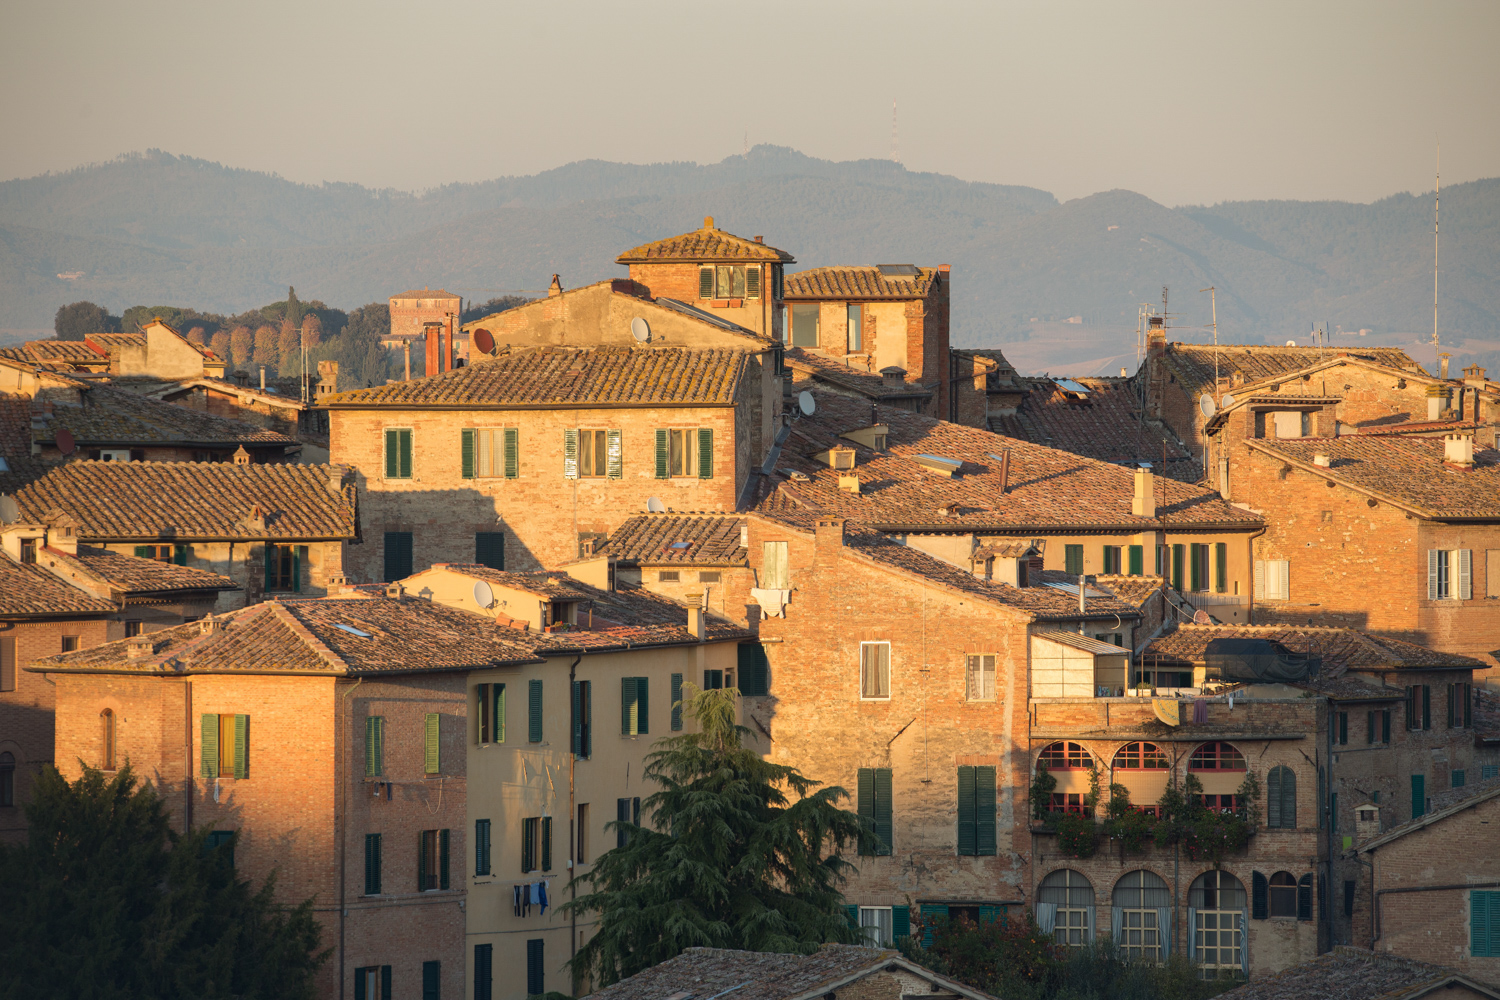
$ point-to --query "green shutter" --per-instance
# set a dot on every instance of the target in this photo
(1137, 560)
(372, 864)
(512, 452)
(534, 711)
(627, 706)
(661, 453)
(643, 705)
(852, 912)
(1195, 564)
(210, 752)
(676, 696)
(405, 437)
(499, 713)
(931, 911)
(180, 554)
(385, 982)
(528, 845)
(752, 668)
(883, 825)
(432, 980)
(269, 551)
(489, 549)
(359, 974)
(705, 282)
(242, 746)
(967, 837)
(422, 861)
(1484, 924)
(984, 810)
(1073, 560)
(900, 922)
(1273, 798)
(1179, 553)
(145, 551)
(865, 800)
(297, 551)
(1418, 795)
(374, 745)
(990, 912)
(442, 859)
(1259, 896)
(752, 282)
(546, 843)
(466, 452)
(430, 759)
(570, 453)
(705, 453)
(614, 459)
(1221, 567)
(392, 454)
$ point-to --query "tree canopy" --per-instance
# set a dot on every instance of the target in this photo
(79, 319)
(741, 853)
(106, 900)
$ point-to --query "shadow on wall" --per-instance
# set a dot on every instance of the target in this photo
(28, 762)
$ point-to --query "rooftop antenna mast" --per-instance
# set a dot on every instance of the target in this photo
(895, 139)
(1437, 190)
(1213, 298)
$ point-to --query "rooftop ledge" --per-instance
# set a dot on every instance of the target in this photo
(1174, 694)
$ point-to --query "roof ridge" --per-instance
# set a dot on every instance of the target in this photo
(284, 614)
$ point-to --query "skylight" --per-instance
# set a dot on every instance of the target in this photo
(897, 270)
(1068, 385)
(354, 631)
(680, 545)
(940, 463)
(4, 467)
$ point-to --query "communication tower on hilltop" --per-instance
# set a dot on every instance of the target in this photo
(895, 138)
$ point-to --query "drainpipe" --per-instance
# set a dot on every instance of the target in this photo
(341, 769)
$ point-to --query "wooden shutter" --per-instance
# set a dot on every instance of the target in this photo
(1465, 574)
(627, 706)
(1259, 896)
(1288, 798)
(432, 980)
(1468, 705)
(1432, 574)
(1195, 567)
(754, 669)
(359, 985)
(1418, 796)
(481, 847)
(392, 454)
(1260, 579)
(1452, 705)
(1304, 897)
(180, 554)
(570, 453)
(430, 754)
(643, 705)
(512, 452)
(385, 982)
(622, 816)
(705, 282)
(534, 711)
(1221, 567)
(466, 451)
(1370, 727)
(499, 713)
(1273, 799)
(405, 439)
(1479, 923)
(588, 718)
(7, 663)
(614, 457)
(1385, 726)
(483, 980)
(752, 282)
(424, 864)
(373, 749)
(535, 969)
(372, 864)
(546, 843)
(705, 453)
(883, 825)
(442, 859)
(865, 800)
(269, 579)
(1426, 707)
(676, 695)
(1179, 553)
(967, 838)
(900, 923)
(661, 453)
(528, 845)
(1284, 567)
(209, 761)
(1137, 560)
(242, 746)
(984, 810)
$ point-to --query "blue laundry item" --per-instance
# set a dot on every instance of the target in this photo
(542, 895)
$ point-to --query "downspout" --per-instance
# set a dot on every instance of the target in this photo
(573, 833)
(343, 836)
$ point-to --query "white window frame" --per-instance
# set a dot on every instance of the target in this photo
(969, 676)
(1236, 949)
(1146, 925)
(1273, 579)
(875, 697)
(1450, 574)
(687, 466)
(875, 913)
(774, 571)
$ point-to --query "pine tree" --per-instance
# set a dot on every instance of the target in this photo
(749, 857)
(293, 307)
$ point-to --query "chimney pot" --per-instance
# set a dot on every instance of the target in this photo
(263, 378)
(139, 647)
(556, 287)
(395, 590)
(1144, 502)
(1322, 461)
(945, 268)
(760, 239)
(849, 483)
(1458, 451)
(708, 222)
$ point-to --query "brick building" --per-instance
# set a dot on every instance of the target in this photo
(813, 370)
(267, 528)
(1356, 972)
(414, 310)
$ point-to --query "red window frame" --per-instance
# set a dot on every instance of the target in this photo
(1147, 810)
(1221, 803)
(1068, 802)
(1136, 755)
(1073, 756)
(1215, 757)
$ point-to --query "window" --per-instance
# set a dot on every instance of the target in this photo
(1281, 798)
(1198, 575)
(132, 628)
(1418, 796)
(729, 282)
(28, 550)
(1062, 756)
(1179, 568)
(709, 576)
(1221, 803)
(634, 702)
(754, 669)
(432, 733)
(7, 663)
(1450, 575)
(70, 644)
(1273, 580)
(1111, 559)
(626, 811)
(374, 746)
(1217, 900)
(1283, 895)
(669, 576)
(1142, 908)
(1073, 560)
(878, 925)
(592, 454)
(1378, 726)
(583, 719)
(1488, 771)
(489, 549)
(1457, 778)
(580, 853)
(774, 574)
(874, 670)
(372, 864)
(284, 567)
(805, 325)
(484, 964)
(676, 696)
(980, 672)
(713, 680)
(1140, 757)
(372, 982)
(490, 453)
(1066, 900)
(481, 847)
(161, 553)
(1342, 733)
(874, 804)
(534, 711)
(1349, 887)
(856, 338)
(530, 837)
(432, 980)
(397, 555)
(684, 452)
(107, 740)
(1418, 707)
(225, 750)
(752, 282)
(7, 778)
(1484, 923)
(1216, 757)
(976, 810)
(1137, 560)
(490, 704)
(1460, 706)
(1221, 567)
(536, 983)
(1068, 802)
(432, 860)
(398, 453)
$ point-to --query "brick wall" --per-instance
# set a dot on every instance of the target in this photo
(408, 315)
(244, 563)
(679, 280)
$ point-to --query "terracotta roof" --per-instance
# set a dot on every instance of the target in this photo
(424, 293)
(183, 501)
(554, 586)
(677, 539)
(701, 973)
(29, 591)
(1341, 648)
(62, 350)
(1048, 488)
(1105, 424)
(705, 244)
(114, 416)
(1407, 471)
(115, 341)
(1193, 364)
(810, 367)
(560, 376)
(859, 283)
(1348, 973)
(1443, 805)
(286, 392)
(1134, 590)
(129, 575)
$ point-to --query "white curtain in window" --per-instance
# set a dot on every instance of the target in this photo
(1046, 917)
(1092, 928)
(875, 921)
(1164, 929)
(1117, 923)
(1192, 934)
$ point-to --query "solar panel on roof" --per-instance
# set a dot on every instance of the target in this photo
(353, 631)
(1068, 385)
(897, 270)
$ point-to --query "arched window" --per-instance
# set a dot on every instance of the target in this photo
(1065, 906)
(1142, 916)
(7, 778)
(107, 734)
(1216, 913)
(1281, 798)
(1214, 757)
(1142, 768)
(1283, 895)
(1141, 757)
(1067, 757)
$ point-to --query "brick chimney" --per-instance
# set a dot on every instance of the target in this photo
(1442, 366)
(708, 222)
(139, 647)
(328, 378)
(1458, 452)
(556, 287)
(893, 377)
(1144, 502)
(828, 539)
(1156, 336)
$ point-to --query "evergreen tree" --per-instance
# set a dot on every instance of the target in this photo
(105, 900)
(78, 320)
(293, 307)
(289, 349)
(751, 857)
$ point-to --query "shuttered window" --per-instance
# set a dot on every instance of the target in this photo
(754, 673)
(1418, 796)
(489, 549)
(490, 452)
(583, 717)
(536, 970)
(432, 980)
(484, 957)
(1111, 559)
(481, 847)
(634, 706)
(1221, 567)
(1179, 570)
(1281, 798)
(1073, 560)
(976, 810)
(534, 711)
(1460, 706)
(1484, 923)
(705, 282)
(373, 982)
(774, 572)
(7, 663)
(398, 453)
(530, 828)
(1259, 896)
(431, 743)
(374, 746)
(676, 696)
(372, 864)
(1304, 898)
(398, 555)
(1137, 560)
(626, 811)
(752, 282)
(874, 670)
(225, 750)
(875, 805)
(283, 571)
(1450, 575)
(432, 860)
(1273, 580)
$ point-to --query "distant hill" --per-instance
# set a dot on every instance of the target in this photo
(159, 228)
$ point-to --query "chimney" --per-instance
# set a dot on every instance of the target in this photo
(849, 483)
(240, 377)
(945, 269)
(447, 359)
(63, 538)
(210, 625)
(241, 456)
(336, 479)
(1156, 336)
(1474, 374)
(708, 222)
(893, 377)
(1144, 504)
(1322, 461)
(328, 377)
(395, 590)
(139, 647)
(1437, 401)
(697, 623)
(760, 239)
(262, 378)
(1443, 365)
(1458, 451)
(1004, 471)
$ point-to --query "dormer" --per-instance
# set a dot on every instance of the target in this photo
(873, 437)
(838, 457)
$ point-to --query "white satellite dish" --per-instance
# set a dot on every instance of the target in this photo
(483, 595)
(806, 404)
(1206, 404)
(1227, 401)
(640, 330)
(655, 506)
(1291, 343)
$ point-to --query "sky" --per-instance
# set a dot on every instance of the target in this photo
(1186, 103)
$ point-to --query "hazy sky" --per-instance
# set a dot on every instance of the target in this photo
(1183, 102)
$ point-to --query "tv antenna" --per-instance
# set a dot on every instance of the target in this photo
(895, 139)
(1213, 298)
(1437, 191)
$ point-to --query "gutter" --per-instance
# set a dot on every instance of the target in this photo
(1178, 527)
(577, 405)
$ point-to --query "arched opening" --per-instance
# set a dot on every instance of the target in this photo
(1142, 916)
(1065, 907)
(1216, 914)
(1070, 764)
(1219, 768)
(107, 740)
(7, 778)
(1283, 894)
(1143, 768)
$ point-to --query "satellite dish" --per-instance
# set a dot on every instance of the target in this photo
(640, 330)
(1291, 343)
(806, 404)
(483, 595)
(1227, 401)
(65, 442)
(655, 506)
(484, 341)
(1206, 404)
